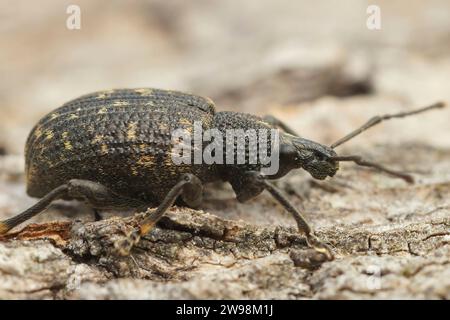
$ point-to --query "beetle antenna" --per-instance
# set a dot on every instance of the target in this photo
(377, 119)
(360, 161)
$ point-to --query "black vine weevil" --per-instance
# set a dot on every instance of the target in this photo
(113, 149)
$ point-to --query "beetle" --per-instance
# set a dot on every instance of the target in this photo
(114, 149)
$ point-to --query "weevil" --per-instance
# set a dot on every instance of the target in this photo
(114, 149)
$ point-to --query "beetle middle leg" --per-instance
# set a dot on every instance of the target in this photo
(189, 188)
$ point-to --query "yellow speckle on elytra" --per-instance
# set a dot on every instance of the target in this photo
(103, 110)
(131, 130)
(188, 131)
(168, 160)
(90, 129)
(73, 116)
(120, 103)
(98, 138)
(104, 149)
(134, 171)
(68, 145)
(65, 134)
(49, 134)
(144, 91)
(163, 126)
(185, 121)
(38, 132)
(30, 172)
(209, 101)
(147, 161)
(104, 94)
(54, 115)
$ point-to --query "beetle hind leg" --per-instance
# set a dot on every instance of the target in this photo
(93, 193)
(41, 205)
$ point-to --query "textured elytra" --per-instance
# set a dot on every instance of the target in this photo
(122, 139)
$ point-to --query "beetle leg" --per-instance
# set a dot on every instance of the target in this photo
(97, 215)
(40, 206)
(274, 121)
(190, 189)
(95, 194)
(98, 196)
(259, 180)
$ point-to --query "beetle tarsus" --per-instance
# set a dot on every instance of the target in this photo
(303, 226)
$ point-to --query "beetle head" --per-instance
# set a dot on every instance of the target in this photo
(314, 157)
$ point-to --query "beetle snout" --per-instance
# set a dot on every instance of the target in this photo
(320, 169)
(334, 167)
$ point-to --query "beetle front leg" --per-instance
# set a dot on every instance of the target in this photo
(190, 189)
(257, 181)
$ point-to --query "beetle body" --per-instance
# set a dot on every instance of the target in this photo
(122, 140)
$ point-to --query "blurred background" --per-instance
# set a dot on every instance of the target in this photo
(255, 56)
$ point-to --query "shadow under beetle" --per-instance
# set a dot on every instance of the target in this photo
(113, 149)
